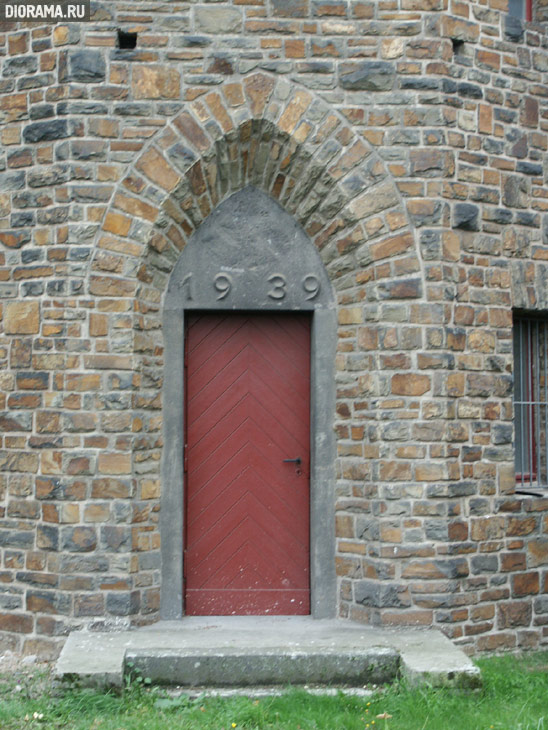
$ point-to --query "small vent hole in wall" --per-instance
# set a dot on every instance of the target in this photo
(126, 40)
(458, 47)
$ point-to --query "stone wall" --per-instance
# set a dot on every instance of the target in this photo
(409, 140)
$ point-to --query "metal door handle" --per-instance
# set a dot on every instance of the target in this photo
(297, 461)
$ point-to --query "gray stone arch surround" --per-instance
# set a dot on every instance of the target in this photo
(249, 254)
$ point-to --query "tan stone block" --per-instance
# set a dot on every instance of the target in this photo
(519, 526)
(98, 325)
(14, 106)
(487, 528)
(373, 201)
(156, 82)
(115, 463)
(110, 489)
(396, 471)
(294, 111)
(150, 489)
(136, 207)
(459, 29)
(482, 341)
(351, 315)
(111, 287)
(392, 47)
(69, 513)
(82, 383)
(51, 462)
(258, 89)
(220, 113)
(410, 384)
(357, 548)
(157, 169)
(11, 135)
(234, 94)
(22, 318)
(430, 472)
(117, 224)
(390, 533)
(393, 246)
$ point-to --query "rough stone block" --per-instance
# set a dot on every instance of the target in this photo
(537, 552)
(367, 76)
(78, 539)
(378, 594)
(525, 584)
(410, 384)
(46, 131)
(216, 20)
(155, 82)
(85, 66)
(22, 318)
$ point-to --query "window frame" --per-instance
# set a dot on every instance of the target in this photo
(523, 12)
(530, 383)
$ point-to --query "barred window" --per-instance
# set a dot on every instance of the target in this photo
(531, 401)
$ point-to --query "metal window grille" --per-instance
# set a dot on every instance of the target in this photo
(531, 401)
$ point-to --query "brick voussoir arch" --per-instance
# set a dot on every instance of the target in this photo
(287, 142)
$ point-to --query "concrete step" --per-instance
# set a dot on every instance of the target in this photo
(247, 651)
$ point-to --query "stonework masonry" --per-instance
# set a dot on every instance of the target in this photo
(409, 139)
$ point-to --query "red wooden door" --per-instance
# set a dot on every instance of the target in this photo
(247, 533)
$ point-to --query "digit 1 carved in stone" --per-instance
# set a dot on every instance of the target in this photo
(278, 286)
(186, 286)
(311, 285)
(223, 284)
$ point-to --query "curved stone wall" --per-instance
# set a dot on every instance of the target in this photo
(409, 142)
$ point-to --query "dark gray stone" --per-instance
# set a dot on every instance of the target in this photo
(381, 595)
(32, 288)
(46, 131)
(468, 90)
(367, 76)
(78, 539)
(529, 168)
(20, 65)
(502, 433)
(56, 288)
(48, 176)
(420, 84)
(12, 180)
(135, 109)
(514, 192)
(486, 563)
(36, 81)
(16, 539)
(123, 603)
(100, 11)
(85, 66)
(449, 86)
(22, 219)
(41, 111)
(466, 217)
(53, 215)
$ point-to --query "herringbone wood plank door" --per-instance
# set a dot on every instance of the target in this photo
(247, 532)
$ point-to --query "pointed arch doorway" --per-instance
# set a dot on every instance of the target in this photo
(228, 540)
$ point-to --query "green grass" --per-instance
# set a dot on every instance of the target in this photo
(514, 697)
